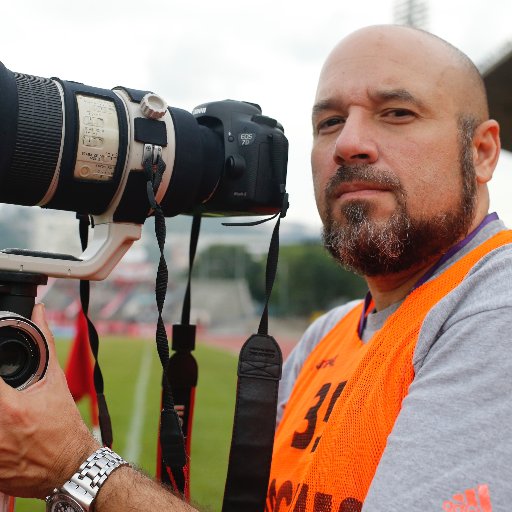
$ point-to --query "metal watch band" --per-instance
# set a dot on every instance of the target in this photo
(87, 481)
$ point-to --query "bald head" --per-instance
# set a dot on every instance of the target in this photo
(432, 59)
(402, 149)
(469, 74)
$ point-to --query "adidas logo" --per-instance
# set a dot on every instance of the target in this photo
(472, 500)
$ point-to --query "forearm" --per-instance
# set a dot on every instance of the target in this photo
(129, 490)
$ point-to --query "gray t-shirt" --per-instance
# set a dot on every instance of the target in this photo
(451, 446)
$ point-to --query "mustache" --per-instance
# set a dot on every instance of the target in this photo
(362, 173)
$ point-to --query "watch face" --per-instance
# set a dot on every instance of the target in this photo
(63, 503)
(65, 507)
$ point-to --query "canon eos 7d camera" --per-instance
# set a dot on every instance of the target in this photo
(70, 146)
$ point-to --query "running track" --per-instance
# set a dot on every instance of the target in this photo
(233, 343)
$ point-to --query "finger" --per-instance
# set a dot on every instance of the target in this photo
(54, 373)
(39, 318)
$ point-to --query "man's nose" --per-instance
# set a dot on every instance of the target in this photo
(355, 143)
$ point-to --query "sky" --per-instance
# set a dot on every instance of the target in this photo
(268, 52)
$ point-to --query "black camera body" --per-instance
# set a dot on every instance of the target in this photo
(230, 161)
(69, 146)
(256, 154)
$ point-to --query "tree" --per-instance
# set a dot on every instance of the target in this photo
(230, 262)
(309, 280)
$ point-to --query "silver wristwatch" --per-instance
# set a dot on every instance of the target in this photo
(77, 494)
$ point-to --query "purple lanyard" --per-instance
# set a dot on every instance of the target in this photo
(432, 270)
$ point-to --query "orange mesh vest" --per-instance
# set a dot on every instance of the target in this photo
(346, 400)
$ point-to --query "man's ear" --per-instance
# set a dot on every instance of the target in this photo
(486, 149)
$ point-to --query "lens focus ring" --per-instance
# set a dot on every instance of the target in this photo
(38, 141)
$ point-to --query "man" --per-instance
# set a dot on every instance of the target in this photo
(398, 404)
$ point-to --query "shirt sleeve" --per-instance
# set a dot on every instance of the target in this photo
(451, 446)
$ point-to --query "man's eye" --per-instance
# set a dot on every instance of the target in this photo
(328, 124)
(399, 114)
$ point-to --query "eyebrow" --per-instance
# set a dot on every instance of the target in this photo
(383, 95)
(376, 95)
(323, 105)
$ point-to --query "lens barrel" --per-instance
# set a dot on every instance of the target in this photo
(69, 146)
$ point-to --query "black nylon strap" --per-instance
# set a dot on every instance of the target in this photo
(107, 437)
(194, 237)
(172, 442)
(259, 371)
(182, 370)
(270, 273)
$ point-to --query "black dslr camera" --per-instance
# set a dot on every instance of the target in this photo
(69, 146)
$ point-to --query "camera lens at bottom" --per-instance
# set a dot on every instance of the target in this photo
(14, 356)
(19, 357)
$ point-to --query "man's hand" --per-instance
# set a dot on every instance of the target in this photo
(43, 439)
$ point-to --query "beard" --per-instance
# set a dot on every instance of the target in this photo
(401, 242)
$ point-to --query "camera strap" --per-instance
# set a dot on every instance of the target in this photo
(182, 370)
(85, 286)
(172, 444)
(259, 372)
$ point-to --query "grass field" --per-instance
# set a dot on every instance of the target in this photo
(122, 362)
